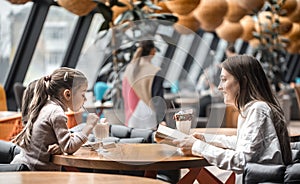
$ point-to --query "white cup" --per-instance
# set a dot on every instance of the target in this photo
(184, 126)
(101, 131)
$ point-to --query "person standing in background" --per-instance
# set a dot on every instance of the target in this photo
(142, 89)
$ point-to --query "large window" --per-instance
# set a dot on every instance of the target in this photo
(53, 43)
(13, 19)
(94, 52)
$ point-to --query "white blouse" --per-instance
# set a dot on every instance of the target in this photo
(256, 141)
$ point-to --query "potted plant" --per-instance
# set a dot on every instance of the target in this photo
(271, 49)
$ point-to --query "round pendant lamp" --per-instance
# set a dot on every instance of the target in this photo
(288, 7)
(210, 13)
(182, 7)
(229, 31)
(78, 7)
(251, 5)
(294, 34)
(247, 23)
(186, 24)
(235, 11)
(295, 15)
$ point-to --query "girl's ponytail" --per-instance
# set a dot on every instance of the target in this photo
(39, 99)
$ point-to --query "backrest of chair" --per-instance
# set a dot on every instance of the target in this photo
(8, 151)
(3, 105)
(263, 173)
(297, 92)
(10, 126)
(18, 92)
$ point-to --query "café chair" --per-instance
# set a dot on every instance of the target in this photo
(3, 104)
(297, 92)
(271, 173)
(125, 134)
(8, 151)
(10, 126)
(19, 89)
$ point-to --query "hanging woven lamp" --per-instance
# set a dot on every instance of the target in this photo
(294, 34)
(285, 25)
(186, 24)
(229, 31)
(78, 7)
(294, 48)
(295, 15)
(247, 23)
(210, 13)
(164, 7)
(288, 7)
(254, 43)
(182, 7)
(235, 11)
(251, 5)
(18, 1)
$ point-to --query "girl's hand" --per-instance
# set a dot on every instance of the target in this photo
(92, 119)
(54, 149)
(186, 144)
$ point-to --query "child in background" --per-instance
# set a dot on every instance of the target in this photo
(46, 131)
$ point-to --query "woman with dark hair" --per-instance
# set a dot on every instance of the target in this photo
(142, 89)
(262, 135)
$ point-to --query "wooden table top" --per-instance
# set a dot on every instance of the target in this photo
(222, 131)
(34, 177)
(6, 115)
(131, 157)
(293, 132)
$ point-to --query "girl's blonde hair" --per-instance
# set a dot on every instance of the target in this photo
(52, 87)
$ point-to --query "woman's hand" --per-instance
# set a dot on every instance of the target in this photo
(186, 144)
(54, 149)
(199, 136)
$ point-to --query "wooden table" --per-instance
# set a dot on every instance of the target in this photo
(147, 157)
(10, 124)
(222, 131)
(294, 132)
(34, 177)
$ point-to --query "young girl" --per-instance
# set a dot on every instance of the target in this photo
(46, 130)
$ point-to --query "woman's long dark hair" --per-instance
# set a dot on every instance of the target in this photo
(254, 85)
